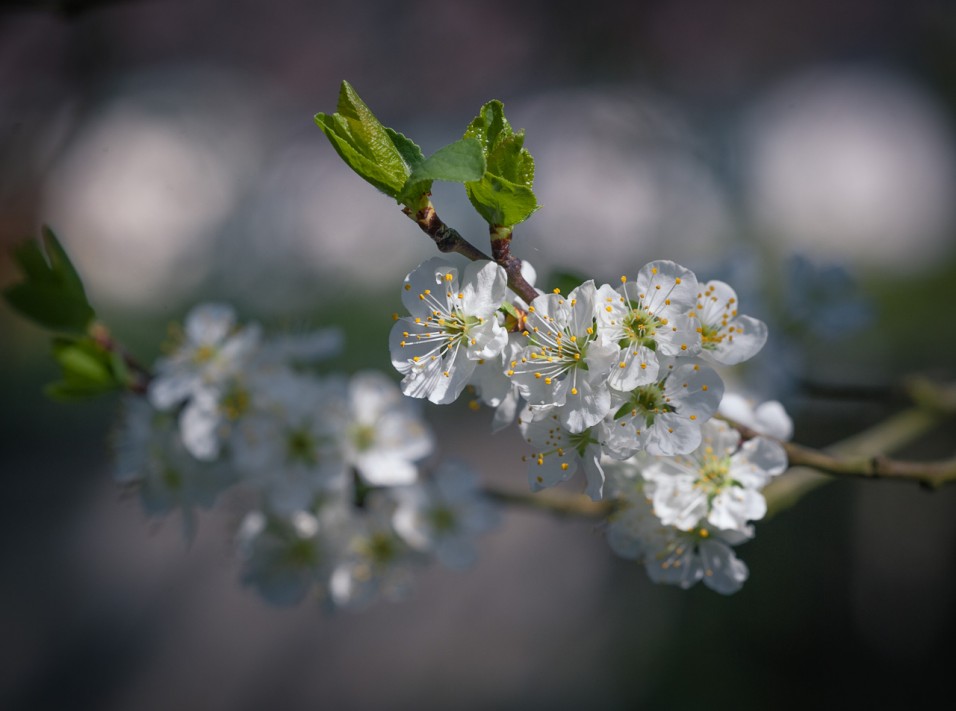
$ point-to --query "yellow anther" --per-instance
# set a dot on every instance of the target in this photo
(608, 309)
(703, 387)
(537, 375)
(408, 287)
(461, 295)
(556, 290)
(623, 279)
(448, 276)
(677, 280)
(693, 417)
(622, 364)
(683, 346)
(703, 533)
(394, 317)
(415, 358)
(653, 270)
(564, 466)
(547, 381)
(531, 309)
(574, 391)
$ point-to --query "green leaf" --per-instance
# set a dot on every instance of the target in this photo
(501, 202)
(82, 360)
(504, 195)
(52, 293)
(87, 369)
(458, 162)
(381, 156)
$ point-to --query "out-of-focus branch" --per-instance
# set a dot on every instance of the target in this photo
(577, 505)
(865, 455)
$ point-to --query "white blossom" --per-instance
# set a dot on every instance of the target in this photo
(664, 417)
(728, 337)
(286, 557)
(558, 453)
(670, 555)
(564, 367)
(290, 447)
(151, 456)
(385, 434)
(648, 318)
(376, 561)
(213, 350)
(451, 326)
(768, 418)
(444, 515)
(719, 482)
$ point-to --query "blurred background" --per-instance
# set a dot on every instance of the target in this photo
(805, 152)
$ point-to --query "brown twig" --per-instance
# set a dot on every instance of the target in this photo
(447, 239)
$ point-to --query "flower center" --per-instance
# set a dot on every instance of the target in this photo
(442, 519)
(639, 326)
(646, 402)
(300, 447)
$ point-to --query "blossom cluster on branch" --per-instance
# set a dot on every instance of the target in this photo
(605, 374)
(343, 508)
(622, 381)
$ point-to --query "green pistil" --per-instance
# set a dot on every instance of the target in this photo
(715, 473)
(300, 447)
(710, 337)
(580, 441)
(235, 403)
(442, 519)
(172, 479)
(457, 325)
(640, 328)
(364, 437)
(380, 548)
(301, 553)
(203, 354)
(646, 401)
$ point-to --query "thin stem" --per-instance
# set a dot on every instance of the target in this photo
(862, 456)
(869, 448)
(501, 250)
(140, 375)
(447, 239)
(577, 505)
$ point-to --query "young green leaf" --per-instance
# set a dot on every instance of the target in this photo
(381, 156)
(458, 162)
(52, 293)
(501, 202)
(87, 370)
(503, 196)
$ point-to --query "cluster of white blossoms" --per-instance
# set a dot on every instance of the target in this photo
(343, 508)
(617, 379)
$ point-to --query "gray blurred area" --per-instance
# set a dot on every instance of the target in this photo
(171, 146)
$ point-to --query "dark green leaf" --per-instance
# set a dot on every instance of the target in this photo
(52, 293)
